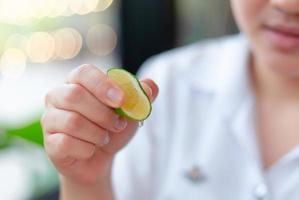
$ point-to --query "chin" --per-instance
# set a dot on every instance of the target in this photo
(283, 65)
(281, 62)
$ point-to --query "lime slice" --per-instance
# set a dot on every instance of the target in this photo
(137, 105)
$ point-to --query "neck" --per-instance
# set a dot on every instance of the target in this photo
(272, 85)
(277, 112)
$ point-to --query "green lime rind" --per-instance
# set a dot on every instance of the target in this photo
(120, 111)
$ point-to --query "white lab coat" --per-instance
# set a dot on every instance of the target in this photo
(199, 142)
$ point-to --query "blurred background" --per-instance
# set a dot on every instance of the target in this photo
(42, 40)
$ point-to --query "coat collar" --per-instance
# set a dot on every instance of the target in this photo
(228, 80)
(221, 64)
(222, 70)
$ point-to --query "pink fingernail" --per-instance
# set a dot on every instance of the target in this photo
(114, 95)
(121, 124)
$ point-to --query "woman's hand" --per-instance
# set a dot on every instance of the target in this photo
(82, 133)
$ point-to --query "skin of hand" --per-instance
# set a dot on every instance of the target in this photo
(82, 133)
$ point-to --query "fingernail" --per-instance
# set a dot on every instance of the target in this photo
(114, 95)
(148, 90)
(121, 123)
(106, 139)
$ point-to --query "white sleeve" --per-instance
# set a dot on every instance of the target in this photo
(136, 168)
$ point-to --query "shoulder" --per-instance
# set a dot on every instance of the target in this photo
(187, 73)
(188, 58)
(203, 64)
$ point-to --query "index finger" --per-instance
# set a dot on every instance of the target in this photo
(150, 88)
(98, 84)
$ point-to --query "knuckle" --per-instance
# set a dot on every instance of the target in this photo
(103, 138)
(99, 82)
(107, 118)
(55, 150)
(73, 122)
(75, 74)
(48, 97)
(104, 117)
(98, 138)
(90, 152)
(73, 94)
(64, 144)
(79, 71)
(84, 68)
(53, 95)
(46, 120)
(51, 148)
(102, 84)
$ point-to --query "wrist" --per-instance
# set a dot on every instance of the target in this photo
(72, 190)
(101, 188)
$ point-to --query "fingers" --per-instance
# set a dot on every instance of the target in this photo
(74, 97)
(98, 84)
(75, 125)
(79, 113)
(150, 88)
(61, 146)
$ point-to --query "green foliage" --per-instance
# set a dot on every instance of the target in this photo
(31, 132)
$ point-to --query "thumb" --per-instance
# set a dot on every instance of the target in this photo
(151, 88)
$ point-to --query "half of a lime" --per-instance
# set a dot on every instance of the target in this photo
(137, 105)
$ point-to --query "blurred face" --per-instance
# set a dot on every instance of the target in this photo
(272, 27)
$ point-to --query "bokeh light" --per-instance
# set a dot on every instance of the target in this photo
(13, 63)
(40, 42)
(82, 7)
(59, 7)
(64, 44)
(20, 11)
(79, 41)
(36, 8)
(101, 39)
(68, 43)
(17, 41)
(13, 11)
(103, 5)
(45, 9)
(41, 47)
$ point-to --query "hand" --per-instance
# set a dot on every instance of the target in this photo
(82, 133)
